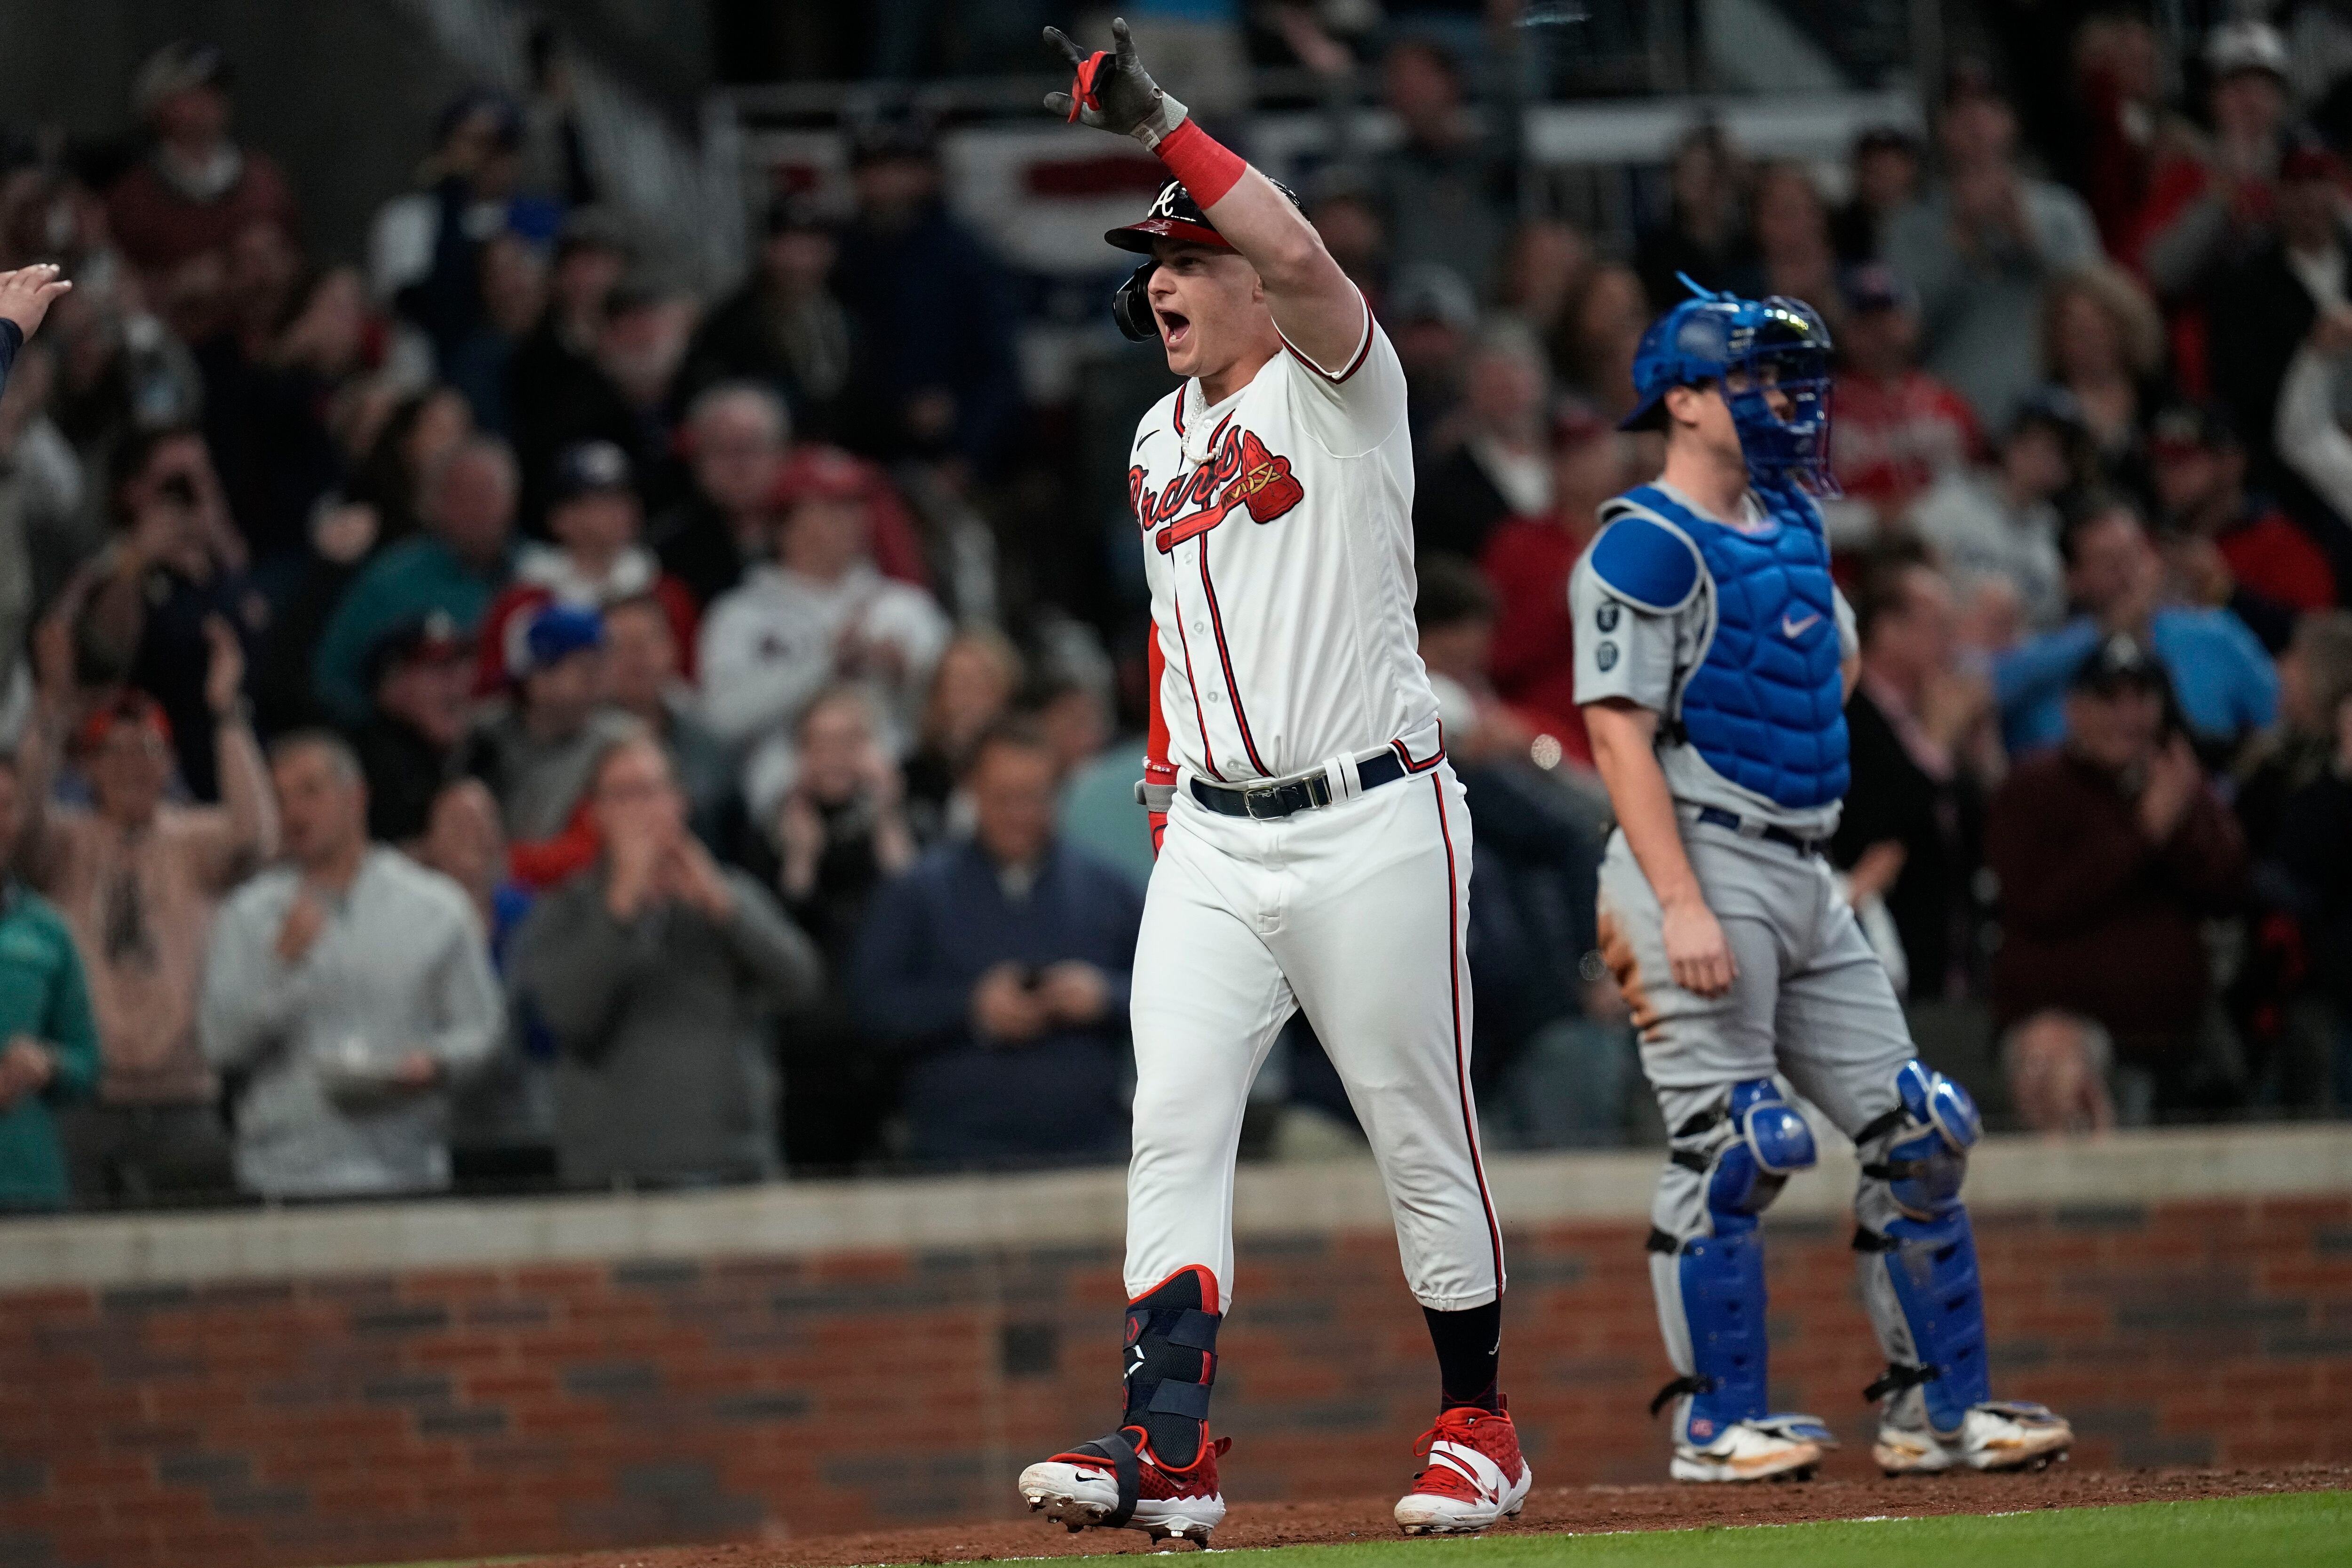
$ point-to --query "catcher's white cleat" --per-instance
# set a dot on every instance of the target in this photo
(1998, 1435)
(1770, 1448)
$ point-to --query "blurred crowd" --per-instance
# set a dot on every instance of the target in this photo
(487, 715)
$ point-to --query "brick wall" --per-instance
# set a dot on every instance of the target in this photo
(363, 1419)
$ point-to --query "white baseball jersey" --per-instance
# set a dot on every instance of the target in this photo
(1278, 536)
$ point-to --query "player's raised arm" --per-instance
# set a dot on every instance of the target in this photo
(1317, 309)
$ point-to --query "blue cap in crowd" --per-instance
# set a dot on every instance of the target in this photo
(541, 639)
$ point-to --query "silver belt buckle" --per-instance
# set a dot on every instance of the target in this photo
(1267, 793)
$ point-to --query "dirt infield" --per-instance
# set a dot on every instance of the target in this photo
(1571, 1508)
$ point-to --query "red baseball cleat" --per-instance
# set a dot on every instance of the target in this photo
(1117, 1483)
(1476, 1474)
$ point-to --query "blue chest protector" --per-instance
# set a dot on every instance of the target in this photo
(1765, 707)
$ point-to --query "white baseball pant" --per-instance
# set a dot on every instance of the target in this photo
(1357, 913)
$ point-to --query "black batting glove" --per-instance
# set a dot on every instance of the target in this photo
(1112, 92)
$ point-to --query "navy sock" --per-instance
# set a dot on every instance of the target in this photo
(1469, 1348)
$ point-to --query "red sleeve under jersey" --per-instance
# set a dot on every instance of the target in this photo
(1156, 768)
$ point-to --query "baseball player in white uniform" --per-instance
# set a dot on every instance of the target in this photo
(1714, 657)
(1313, 851)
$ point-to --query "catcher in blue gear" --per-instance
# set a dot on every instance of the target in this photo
(1713, 659)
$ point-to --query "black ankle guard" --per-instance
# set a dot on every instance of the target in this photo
(1119, 1449)
(1172, 1359)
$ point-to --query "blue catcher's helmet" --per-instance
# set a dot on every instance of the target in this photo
(1745, 347)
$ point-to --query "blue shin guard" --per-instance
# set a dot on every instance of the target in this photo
(1713, 1282)
(1919, 1268)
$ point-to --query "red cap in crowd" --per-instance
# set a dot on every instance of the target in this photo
(130, 706)
(821, 473)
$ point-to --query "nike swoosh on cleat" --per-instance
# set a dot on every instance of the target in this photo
(1795, 629)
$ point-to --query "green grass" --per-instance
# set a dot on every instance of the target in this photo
(2290, 1530)
(2296, 1529)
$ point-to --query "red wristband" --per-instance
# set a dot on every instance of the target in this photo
(1205, 168)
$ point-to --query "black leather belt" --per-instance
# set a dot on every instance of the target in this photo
(1716, 816)
(1272, 802)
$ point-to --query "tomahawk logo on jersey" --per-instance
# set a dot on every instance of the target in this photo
(1245, 475)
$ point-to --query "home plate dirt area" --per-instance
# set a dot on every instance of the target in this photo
(1549, 1509)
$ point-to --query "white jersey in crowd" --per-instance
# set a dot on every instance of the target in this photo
(1277, 537)
(770, 645)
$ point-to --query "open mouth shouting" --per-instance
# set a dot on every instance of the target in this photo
(1175, 327)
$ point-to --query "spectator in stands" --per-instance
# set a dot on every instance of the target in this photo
(978, 675)
(1704, 234)
(2261, 306)
(592, 255)
(2111, 850)
(594, 518)
(2104, 342)
(377, 507)
(121, 375)
(351, 987)
(2000, 525)
(2312, 447)
(1488, 460)
(820, 614)
(2224, 546)
(49, 1040)
(275, 447)
(1528, 560)
(1544, 272)
(152, 597)
(2315, 673)
(1529, 925)
(931, 368)
(1790, 224)
(422, 431)
(1608, 319)
(1448, 192)
(841, 833)
(659, 975)
(1885, 173)
(1924, 751)
(1981, 250)
(1432, 313)
(27, 493)
(1346, 215)
(619, 396)
(457, 567)
(1454, 615)
(1073, 716)
(137, 878)
(1899, 429)
(2209, 200)
(783, 328)
(538, 747)
(421, 673)
(735, 434)
(197, 188)
(2220, 676)
(514, 300)
(997, 970)
(42, 487)
(428, 247)
(2308, 874)
(2124, 126)
(642, 680)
